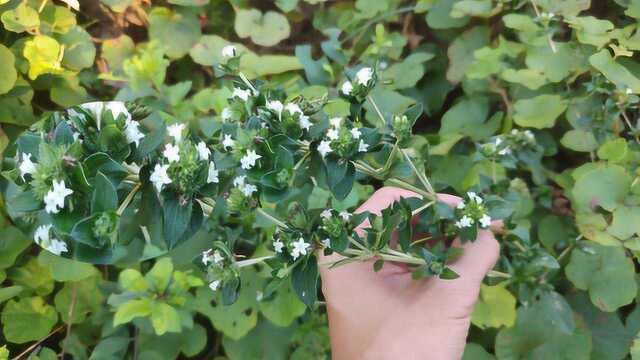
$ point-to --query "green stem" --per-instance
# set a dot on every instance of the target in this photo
(498, 274)
(250, 262)
(278, 222)
(128, 199)
(375, 107)
(405, 185)
(248, 83)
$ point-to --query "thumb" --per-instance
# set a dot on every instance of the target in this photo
(478, 256)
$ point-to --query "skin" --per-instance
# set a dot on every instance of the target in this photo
(388, 315)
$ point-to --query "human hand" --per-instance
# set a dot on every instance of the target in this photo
(388, 315)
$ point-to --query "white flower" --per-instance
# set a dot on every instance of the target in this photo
(226, 114)
(326, 214)
(159, 176)
(239, 181)
(217, 258)
(97, 107)
(485, 221)
(42, 233)
(214, 285)
(278, 246)
(299, 248)
(42, 238)
(229, 51)
(335, 122)
(275, 106)
(242, 94)
(54, 200)
(529, 135)
(461, 205)
(131, 132)
(466, 221)
(326, 243)
(227, 142)
(56, 247)
(74, 4)
(346, 88)
(504, 151)
(26, 165)
(364, 75)
(324, 148)
(249, 189)
(203, 151)
(355, 132)
(304, 122)
(345, 215)
(472, 195)
(332, 134)
(175, 131)
(259, 295)
(212, 175)
(514, 132)
(363, 147)
(498, 141)
(248, 161)
(171, 152)
(293, 108)
(207, 257)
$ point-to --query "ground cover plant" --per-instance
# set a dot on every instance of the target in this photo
(171, 169)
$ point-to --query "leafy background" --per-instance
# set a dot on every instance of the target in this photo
(565, 70)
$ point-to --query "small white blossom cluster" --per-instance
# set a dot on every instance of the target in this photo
(472, 211)
(171, 153)
(296, 248)
(363, 78)
(54, 199)
(292, 109)
(503, 145)
(42, 237)
(333, 134)
(241, 183)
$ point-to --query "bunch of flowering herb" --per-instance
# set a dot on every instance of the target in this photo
(107, 181)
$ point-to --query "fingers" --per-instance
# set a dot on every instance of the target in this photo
(380, 200)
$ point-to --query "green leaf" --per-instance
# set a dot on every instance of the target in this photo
(132, 309)
(160, 274)
(545, 330)
(83, 296)
(79, 51)
(626, 222)
(12, 243)
(539, 112)
(27, 319)
(177, 30)
(32, 276)
(284, 308)
(164, 318)
(265, 342)
(461, 51)
(43, 54)
(556, 65)
(439, 16)
(615, 72)
(479, 8)
(591, 30)
(9, 292)
(476, 352)
(496, 307)
(606, 272)
(66, 269)
(105, 196)
(604, 186)
(468, 117)
(614, 150)
(177, 217)
(529, 78)
(304, 280)
(131, 280)
(579, 140)
(22, 18)
(266, 29)
(9, 73)
(408, 72)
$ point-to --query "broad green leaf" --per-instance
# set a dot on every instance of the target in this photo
(390, 103)
(132, 309)
(545, 330)
(284, 308)
(614, 150)
(591, 30)
(529, 78)
(9, 73)
(79, 51)
(265, 342)
(266, 29)
(104, 196)
(539, 112)
(626, 222)
(469, 117)
(12, 243)
(84, 296)
(461, 51)
(115, 51)
(478, 8)
(235, 320)
(556, 65)
(66, 269)
(58, 19)
(439, 16)
(605, 186)
(606, 272)
(408, 72)
(579, 140)
(27, 319)
(131, 280)
(32, 276)
(118, 6)
(22, 18)
(8, 292)
(614, 71)
(496, 307)
(160, 274)
(476, 352)
(164, 318)
(177, 31)
(189, 2)
(44, 56)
